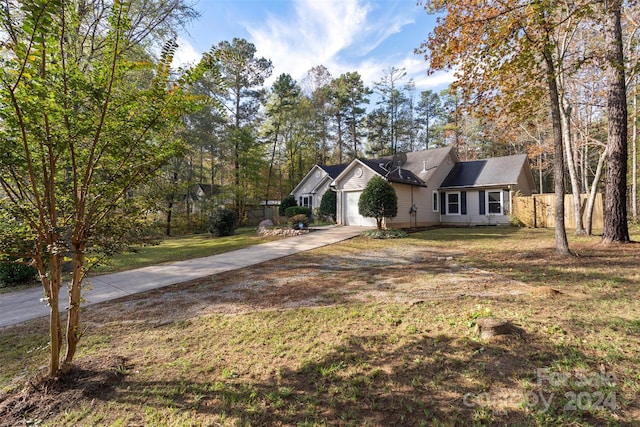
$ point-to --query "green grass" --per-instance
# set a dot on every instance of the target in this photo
(180, 248)
(168, 250)
(369, 361)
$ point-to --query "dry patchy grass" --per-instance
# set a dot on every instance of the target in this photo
(361, 333)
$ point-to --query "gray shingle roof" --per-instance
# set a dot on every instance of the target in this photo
(334, 170)
(393, 174)
(485, 173)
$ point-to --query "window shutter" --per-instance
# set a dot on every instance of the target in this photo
(443, 203)
(463, 202)
(482, 203)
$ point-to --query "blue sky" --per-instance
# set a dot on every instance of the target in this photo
(368, 36)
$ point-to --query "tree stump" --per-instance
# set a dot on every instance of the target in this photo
(489, 327)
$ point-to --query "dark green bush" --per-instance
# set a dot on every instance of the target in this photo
(328, 204)
(223, 222)
(13, 273)
(287, 202)
(378, 200)
(295, 221)
(297, 210)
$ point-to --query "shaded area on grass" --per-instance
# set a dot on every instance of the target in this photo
(371, 379)
(366, 332)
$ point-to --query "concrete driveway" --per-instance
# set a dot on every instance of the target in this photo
(20, 306)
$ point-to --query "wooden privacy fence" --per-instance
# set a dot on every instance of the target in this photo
(538, 210)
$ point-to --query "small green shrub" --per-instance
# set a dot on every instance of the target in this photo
(390, 233)
(515, 222)
(223, 222)
(13, 273)
(292, 211)
(285, 203)
(296, 220)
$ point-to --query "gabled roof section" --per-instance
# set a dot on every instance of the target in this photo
(416, 170)
(419, 161)
(329, 172)
(303, 180)
(392, 173)
(334, 170)
(486, 173)
(425, 163)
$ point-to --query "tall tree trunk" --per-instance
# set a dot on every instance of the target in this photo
(427, 133)
(565, 115)
(634, 154)
(339, 139)
(615, 214)
(51, 277)
(73, 321)
(273, 157)
(593, 192)
(167, 230)
(562, 244)
(174, 184)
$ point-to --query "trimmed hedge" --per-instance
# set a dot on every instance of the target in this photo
(297, 210)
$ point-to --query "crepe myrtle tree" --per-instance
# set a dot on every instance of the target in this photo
(79, 134)
(378, 200)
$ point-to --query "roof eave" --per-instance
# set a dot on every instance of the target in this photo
(413, 184)
(476, 186)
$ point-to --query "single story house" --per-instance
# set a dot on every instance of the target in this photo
(435, 187)
(310, 190)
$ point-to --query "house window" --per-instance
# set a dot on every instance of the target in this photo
(435, 201)
(494, 202)
(453, 203)
(306, 201)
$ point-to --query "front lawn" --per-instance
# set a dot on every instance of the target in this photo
(179, 249)
(366, 332)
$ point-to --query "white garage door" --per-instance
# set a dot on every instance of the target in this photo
(351, 215)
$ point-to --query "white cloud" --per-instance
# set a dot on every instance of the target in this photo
(185, 55)
(435, 81)
(377, 32)
(367, 36)
(314, 34)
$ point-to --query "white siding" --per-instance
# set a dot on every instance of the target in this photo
(425, 214)
(403, 217)
(473, 216)
(353, 181)
(307, 187)
(412, 195)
